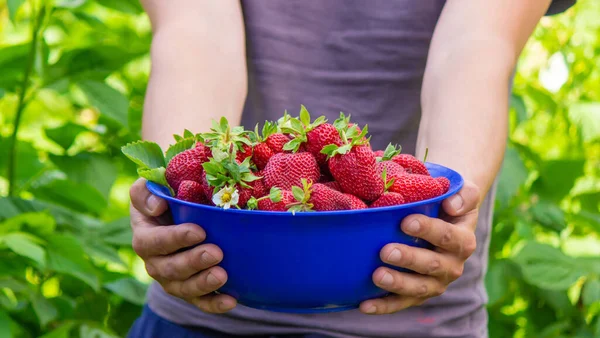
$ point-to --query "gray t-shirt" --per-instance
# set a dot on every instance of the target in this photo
(367, 59)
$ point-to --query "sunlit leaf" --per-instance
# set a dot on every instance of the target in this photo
(125, 6)
(25, 245)
(65, 135)
(66, 255)
(110, 102)
(557, 178)
(28, 164)
(587, 117)
(81, 197)
(130, 289)
(547, 267)
(45, 311)
(13, 7)
(97, 170)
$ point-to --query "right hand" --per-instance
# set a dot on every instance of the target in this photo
(192, 274)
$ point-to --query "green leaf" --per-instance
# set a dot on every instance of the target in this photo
(44, 310)
(117, 232)
(497, 280)
(13, 7)
(96, 249)
(304, 115)
(275, 194)
(41, 223)
(146, 154)
(69, 3)
(28, 163)
(66, 255)
(5, 324)
(298, 193)
(25, 245)
(61, 331)
(512, 176)
(77, 196)
(110, 102)
(156, 175)
(130, 289)
(547, 267)
(549, 215)
(591, 292)
(125, 6)
(65, 135)
(2, 93)
(180, 146)
(586, 115)
(97, 170)
(518, 104)
(557, 178)
(330, 149)
(96, 331)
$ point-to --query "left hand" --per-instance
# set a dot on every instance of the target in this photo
(453, 235)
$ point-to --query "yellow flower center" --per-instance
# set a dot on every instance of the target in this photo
(226, 197)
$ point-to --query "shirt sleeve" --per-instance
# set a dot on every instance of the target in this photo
(559, 6)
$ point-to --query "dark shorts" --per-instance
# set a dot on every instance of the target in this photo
(150, 325)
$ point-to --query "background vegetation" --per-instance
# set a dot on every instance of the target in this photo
(72, 80)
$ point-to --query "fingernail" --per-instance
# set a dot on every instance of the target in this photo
(193, 237)
(413, 227)
(152, 203)
(456, 202)
(387, 279)
(208, 258)
(395, 256)
(371, 310)
(212, 280)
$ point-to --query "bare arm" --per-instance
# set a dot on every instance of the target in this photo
(198, 67)
(464, 124)
(466, 87)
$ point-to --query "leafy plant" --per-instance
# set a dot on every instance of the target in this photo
(73, 78)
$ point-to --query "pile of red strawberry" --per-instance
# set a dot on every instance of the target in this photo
(294, 164)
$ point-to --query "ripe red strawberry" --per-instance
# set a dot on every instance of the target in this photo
(333, 185)
(388, 199)
(191, 191)
(411, 164)
(259, 187)
(393, 169)
(285, 170)
(319, 137)
(354, 167)
(318, 197)
(416, 187)
(246, 151)
(267, 204)
(444, 183)
(378, 153)
(208, 190)
(268, 145)
(186, 165)
(276, 142)
(355, 202)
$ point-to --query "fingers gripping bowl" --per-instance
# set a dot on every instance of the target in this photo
(300, 210)
(305, 262)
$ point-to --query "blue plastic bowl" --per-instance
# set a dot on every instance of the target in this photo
(308, 262)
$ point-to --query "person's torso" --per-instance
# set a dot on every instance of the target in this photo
(365, 58)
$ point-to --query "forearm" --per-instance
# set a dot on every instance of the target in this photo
(464, 121)
(198, 73)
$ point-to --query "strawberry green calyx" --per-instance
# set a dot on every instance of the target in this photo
(350, 139)
(389, 152)
(425, 157)
(387, 184)
(302, 196)
(223, 136)
(268, 129)
(299, 127)
(274, 195)
(222, 169)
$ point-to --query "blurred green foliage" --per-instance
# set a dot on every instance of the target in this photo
(73, 75)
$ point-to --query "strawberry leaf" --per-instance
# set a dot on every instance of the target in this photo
(298, 193)
(293, 145)
(390, 152)
(330, 150)
(177, 138)
(275, 194)
(304, 116)
(156, 175)
(188, 134)
(179, 147)
(146, 154)
(425, 157)
(219, 154)
(223, 124)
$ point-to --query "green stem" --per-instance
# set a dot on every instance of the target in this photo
(12, 155)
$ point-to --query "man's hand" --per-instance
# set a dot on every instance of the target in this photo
(190, 275)
(454, 238)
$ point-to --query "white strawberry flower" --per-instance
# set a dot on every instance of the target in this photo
(226, 197)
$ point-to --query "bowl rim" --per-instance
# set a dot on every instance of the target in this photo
(155, 189)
